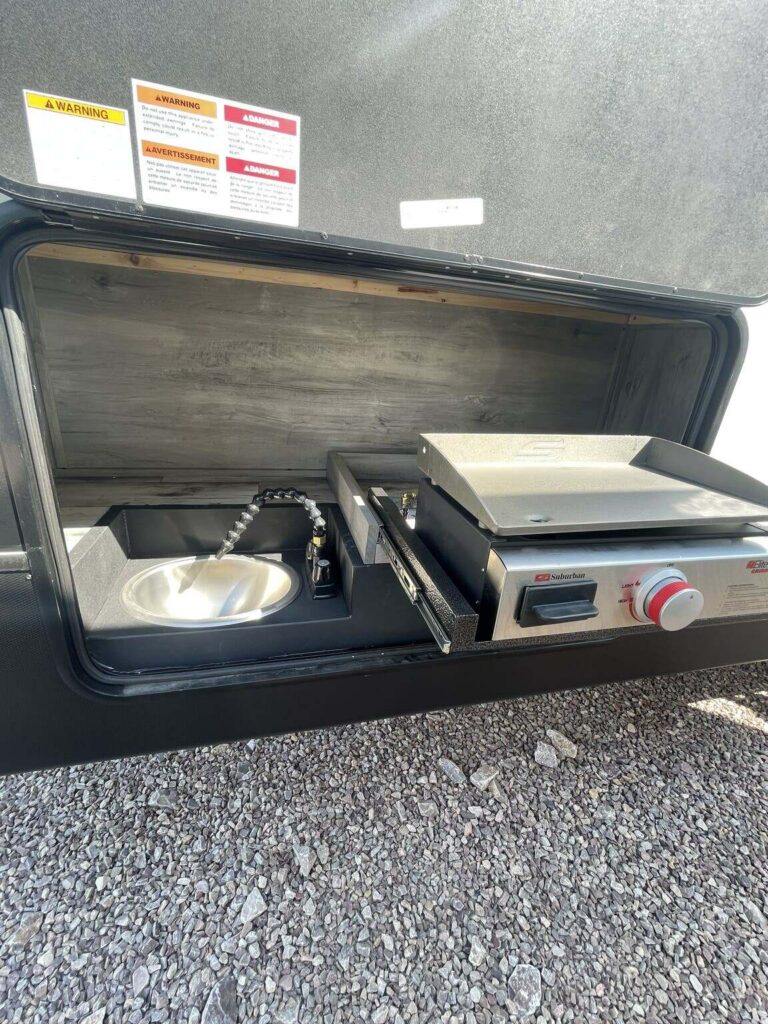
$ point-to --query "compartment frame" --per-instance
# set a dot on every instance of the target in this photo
(46, 551)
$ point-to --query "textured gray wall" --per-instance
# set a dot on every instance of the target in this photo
(617, 138)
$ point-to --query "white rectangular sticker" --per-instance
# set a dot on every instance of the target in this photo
(80, 145)
(441, 213)
(218, 156)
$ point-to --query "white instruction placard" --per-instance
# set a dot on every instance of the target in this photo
(217, 156)
(80, 145)
(440, 213)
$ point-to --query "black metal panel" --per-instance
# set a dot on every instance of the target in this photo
(51, 718)
(373, 611)
(460, 543)
(456, 616)
(10, 461)
(617, 139)
(165, 531)
(10, 539)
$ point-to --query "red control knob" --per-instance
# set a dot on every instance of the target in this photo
(668, 599)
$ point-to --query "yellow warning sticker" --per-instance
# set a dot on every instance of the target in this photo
(75, 108)
(80, 146)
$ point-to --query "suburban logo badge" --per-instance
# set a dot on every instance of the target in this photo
(545, 577)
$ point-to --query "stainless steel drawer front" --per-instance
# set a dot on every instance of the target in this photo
(731, 573)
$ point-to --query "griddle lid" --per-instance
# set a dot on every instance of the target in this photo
(619, 143)
(531, 484)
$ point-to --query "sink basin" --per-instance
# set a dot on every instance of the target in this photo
(201, 591)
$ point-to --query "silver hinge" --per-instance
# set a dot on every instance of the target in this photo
(415, 594)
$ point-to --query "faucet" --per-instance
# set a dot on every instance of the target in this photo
(318, 565)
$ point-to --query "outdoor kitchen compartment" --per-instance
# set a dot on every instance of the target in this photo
(171, 390)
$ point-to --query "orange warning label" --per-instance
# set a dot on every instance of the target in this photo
(212, 155)
(60, 105)
(175, 101)
(179, 154)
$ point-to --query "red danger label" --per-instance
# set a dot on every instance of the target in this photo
(255, 169)
(259, 119)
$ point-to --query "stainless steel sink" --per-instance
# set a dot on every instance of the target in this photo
(201, 591)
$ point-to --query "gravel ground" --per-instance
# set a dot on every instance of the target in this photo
(613, 870)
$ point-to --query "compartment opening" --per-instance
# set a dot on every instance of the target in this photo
(172, 389)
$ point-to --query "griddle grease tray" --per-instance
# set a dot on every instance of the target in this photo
(532, 484)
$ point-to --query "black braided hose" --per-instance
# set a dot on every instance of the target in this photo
(246, 517)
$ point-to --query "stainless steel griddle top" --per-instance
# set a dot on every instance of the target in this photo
(516, 484)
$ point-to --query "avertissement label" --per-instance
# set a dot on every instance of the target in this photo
(217, 156)
(80, 146)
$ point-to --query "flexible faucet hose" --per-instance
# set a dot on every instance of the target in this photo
(251, 510)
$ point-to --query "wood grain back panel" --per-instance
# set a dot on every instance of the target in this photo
(151, 370)
(659, 373)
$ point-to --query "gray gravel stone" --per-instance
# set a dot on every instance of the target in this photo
(483, 776)
(323, 853)
(288, 1013)
(95, 1016)
(545, 755)
(755, 915)
(561, 743)
(30, 925)
(454, 773)
(162, 798)
(46, 958)
(254, 906)
(140, 980)
(305, 858)
(633, 875)
(221, 1005)
(427, 808)
(525, 990)
(477, 952)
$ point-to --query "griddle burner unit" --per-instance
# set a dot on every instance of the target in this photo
(549, 536)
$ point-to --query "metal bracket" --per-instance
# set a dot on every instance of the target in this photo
(58, 217)
(415, 594)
